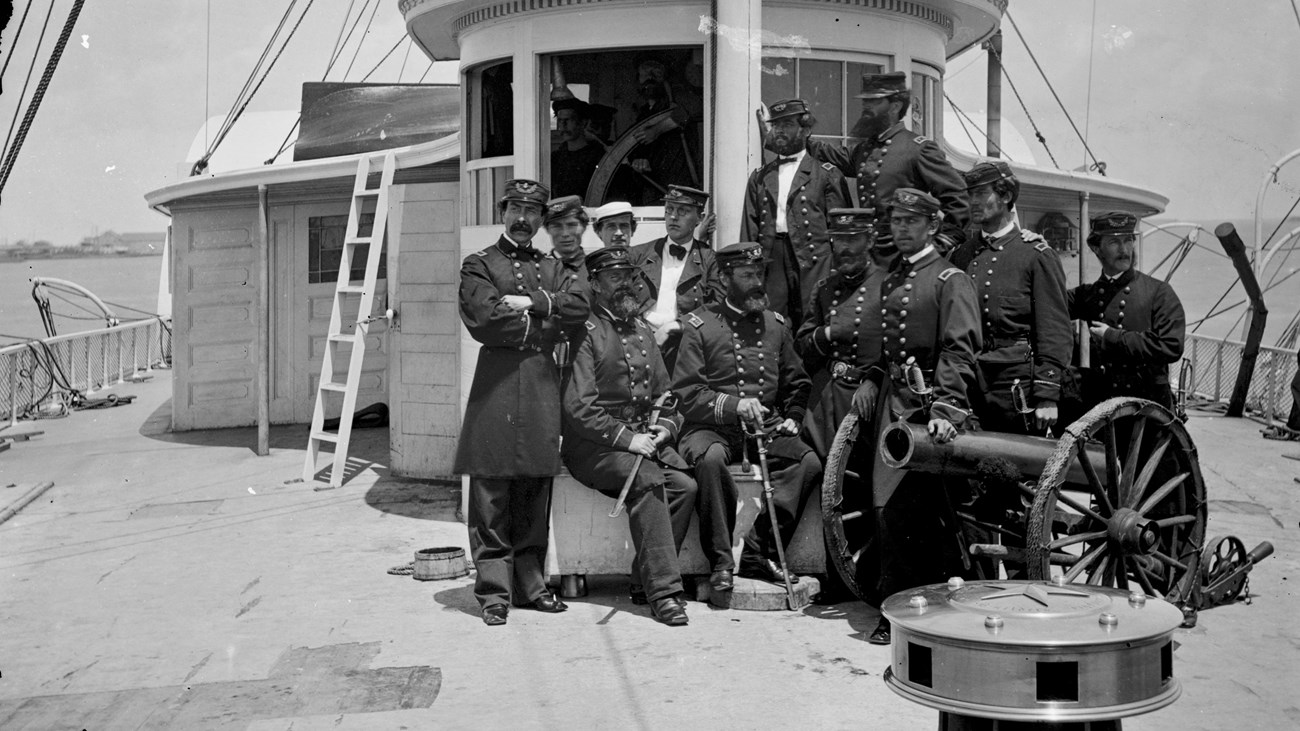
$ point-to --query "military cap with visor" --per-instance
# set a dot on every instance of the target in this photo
(581, 108)
(786, 108)
(850, 221)
(526, 191)
(988, 172)
(563, 207)
(879, 86)
(686, 195)
(745, 252)
(1113, 223)
(914, 201)
(608, 259)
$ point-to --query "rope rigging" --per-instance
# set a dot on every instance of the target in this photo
(13, 43)
(40, 41)
(961, 115)
(1037, 132)
(1097, 165)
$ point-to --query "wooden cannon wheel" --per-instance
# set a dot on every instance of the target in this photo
(1141, 524)
(847, 519)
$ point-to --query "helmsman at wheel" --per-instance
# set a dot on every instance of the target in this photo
(511, 303)
(1021, 289)
(617, 375)
(737, 365)
(1136, 323)
(931, 321)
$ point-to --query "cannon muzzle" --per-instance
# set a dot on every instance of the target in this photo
(908, 446)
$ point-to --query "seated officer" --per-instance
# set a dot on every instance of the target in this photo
(617, 376)
(839, 339)
(737, 367)
(1136, 323)
(614, 223)
(678, 273)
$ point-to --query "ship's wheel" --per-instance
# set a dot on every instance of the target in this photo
(615, 158)
(1138, 523)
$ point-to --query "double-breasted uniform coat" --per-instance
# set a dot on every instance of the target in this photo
(573, 278)
(727, 355)
(617, 376)
(817, 188)
(510, 437)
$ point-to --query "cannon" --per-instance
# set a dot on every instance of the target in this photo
(1118, 500)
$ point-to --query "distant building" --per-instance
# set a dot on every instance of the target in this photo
(136, 244)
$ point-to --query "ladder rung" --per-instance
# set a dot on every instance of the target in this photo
(365, 191)
(331, 386)
(343, 338)
(359, 240)
(324, 436)
(352, 289)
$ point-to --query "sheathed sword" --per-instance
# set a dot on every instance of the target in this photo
(666, 400)
(760, 440)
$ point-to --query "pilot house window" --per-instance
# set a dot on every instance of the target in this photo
(325, 249)
(829, 86)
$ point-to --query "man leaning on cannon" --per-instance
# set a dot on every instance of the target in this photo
(511, 303)
(1020, 287)
(931, 336)
(1136, 323)
(617, 378)
(737, 371)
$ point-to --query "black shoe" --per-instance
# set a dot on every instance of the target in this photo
(548, 603)
(636, 593)
(669, 611)
(495, 614)
(766, 570)
(882, 635)
(720, 580)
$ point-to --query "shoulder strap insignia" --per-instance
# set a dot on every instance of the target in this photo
(1042, 246)
(779, 317)
(921, 139)
(943, 276)
(694, 320)
(484, 252)
(591, 325)
(828, 167)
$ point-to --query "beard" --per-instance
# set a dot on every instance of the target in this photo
(868, 127)
(851, 268)
(623, 303)
(754, 301)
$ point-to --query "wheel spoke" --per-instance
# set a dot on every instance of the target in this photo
(851, 516)
(1141, 575)
(1175, 520)
(972, 520)
(1076, 539)
(1098, 575)
(1112, 458)
(1094, 482)
(1085, 561)
(1062, 497)
(1131, 461)
(1169, 560)
(1149, 468)
(1155, 497)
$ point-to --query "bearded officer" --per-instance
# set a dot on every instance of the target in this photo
(737, 366)
(617, 375)
(511, 303)
(1021, 289)
(840, 338)
(786, 202)
(1136, 323)
(678, 273)
(890, 157)
(565, 223)
(931, 321)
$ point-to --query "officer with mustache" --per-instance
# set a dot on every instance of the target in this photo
(1136, 323)
(614, 223)
(617, 376)
(737, 367)
(511, 302)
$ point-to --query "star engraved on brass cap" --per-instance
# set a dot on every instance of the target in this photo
(1038, 593)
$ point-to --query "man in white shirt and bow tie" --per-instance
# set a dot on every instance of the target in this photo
(786, 202)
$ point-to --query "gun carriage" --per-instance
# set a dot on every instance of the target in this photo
(1118, 500)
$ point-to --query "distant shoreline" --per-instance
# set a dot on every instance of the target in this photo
(11, 255)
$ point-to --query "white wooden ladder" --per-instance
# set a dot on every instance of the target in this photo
(346, 292)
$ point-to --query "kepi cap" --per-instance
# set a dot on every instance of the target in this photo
(849, 221)
(608, 258)
(786, 108)
(528, 191)
(745, 252)
(577, 105)
(689, 196)
(563, 207)
(911, 199)
(987, 172)
(1113, 222)
(878, 86)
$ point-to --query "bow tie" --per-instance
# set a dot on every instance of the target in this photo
(677, 251)
(786, 160)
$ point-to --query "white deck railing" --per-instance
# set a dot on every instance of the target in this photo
(34, 371)
(1216, 362)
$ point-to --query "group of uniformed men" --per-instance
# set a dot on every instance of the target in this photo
(928, 303)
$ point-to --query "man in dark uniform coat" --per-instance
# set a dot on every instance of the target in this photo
(509, 442)
(1136, 323)
(575, 160)
(786, 202)
(890, 157)
(839, 340)
(931, 321)
(1021, 290)
(678, 257)
(617, 375)
(565, 223)
(737, 366)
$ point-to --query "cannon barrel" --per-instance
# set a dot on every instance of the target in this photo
(908, 446)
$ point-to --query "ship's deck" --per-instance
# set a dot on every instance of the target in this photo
(180, 581)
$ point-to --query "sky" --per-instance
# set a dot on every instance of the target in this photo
(1188, 97)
